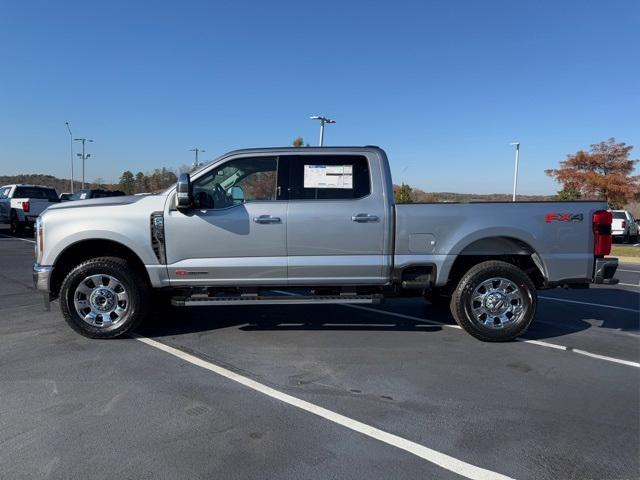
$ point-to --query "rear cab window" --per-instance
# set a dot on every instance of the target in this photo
(327, 177)
(36, 192)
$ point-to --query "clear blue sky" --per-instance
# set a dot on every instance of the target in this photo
(443, 86)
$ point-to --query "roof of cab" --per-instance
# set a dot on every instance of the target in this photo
(301, 150)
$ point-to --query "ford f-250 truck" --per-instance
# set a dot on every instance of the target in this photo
(320, 223)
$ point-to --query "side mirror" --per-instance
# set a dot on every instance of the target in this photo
(237, 194)
(184, 195)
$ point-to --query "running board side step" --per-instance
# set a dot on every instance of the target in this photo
(203, 301)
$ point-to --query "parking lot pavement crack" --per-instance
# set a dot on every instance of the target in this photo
(8, 279)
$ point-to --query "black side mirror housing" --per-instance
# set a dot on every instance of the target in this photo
(184, 193)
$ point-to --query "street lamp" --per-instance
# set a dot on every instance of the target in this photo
(197, 150)
(323, 120)
(82, 155)
(515, 173)
(71, 144)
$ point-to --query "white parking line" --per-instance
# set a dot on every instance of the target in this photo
(590, 304)
(625, 270)
(523, 340)
(629, 285)
(17, 238)
(445, 461)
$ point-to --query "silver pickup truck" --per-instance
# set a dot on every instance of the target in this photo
(307, 226)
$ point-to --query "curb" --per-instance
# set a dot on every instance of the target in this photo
(635, 260)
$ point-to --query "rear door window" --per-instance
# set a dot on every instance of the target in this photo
(328, 177)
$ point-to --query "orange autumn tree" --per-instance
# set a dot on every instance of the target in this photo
(605, 172)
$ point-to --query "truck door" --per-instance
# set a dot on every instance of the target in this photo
(236, 232)
(336, 226)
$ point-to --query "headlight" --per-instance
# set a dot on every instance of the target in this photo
(39, 227)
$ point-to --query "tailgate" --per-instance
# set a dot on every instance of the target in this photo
(32, 207)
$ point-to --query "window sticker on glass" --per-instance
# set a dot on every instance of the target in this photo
(328, 176)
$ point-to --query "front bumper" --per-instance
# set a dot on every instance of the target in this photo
(42, 277)
(604, 271)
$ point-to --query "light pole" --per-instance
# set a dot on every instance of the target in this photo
(71, 145)
(197, 150)
(82, 155)
(323, 120)
(515, 173)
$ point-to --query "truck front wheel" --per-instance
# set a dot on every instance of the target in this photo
(495, 301)
(104, 298)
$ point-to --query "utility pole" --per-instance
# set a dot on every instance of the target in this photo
(323, 120)
(515, 173)
(83, 155)
(197, 150)
(71, 145)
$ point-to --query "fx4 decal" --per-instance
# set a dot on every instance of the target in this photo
(563, 217)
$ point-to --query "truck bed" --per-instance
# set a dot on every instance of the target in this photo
(560, 233)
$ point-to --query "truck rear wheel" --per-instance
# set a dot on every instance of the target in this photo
(494, 301)
(104, 298)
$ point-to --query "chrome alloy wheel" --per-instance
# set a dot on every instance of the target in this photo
(101, 300)
(497, 303)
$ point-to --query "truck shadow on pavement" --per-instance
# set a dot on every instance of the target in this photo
(553, 319)
(557, 318)
(178, 321)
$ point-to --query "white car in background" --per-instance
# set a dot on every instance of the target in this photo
(624, 226)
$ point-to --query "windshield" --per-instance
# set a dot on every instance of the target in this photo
(80, 195)
(619, 215)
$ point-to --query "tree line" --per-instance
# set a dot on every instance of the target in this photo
(156, 181)
(604, 172)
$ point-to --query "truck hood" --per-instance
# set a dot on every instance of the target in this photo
(99, 202)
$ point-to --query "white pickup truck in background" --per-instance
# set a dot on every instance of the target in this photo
(20, 205)
(624, 226)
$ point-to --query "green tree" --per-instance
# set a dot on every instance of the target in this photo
(141, 183)
(569, 193)
(298, 142)
(404, 194)
(127, 182)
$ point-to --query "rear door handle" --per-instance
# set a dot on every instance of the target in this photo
(364, 218)
(266, 219)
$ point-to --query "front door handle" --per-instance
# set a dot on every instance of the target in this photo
(364, 218)
(266, 219)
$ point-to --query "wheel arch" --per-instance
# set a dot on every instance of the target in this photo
(510, 249)
(82, 250)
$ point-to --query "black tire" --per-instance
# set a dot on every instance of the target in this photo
(626, 238)
(134, 284)
(16, 227)
(462, 304)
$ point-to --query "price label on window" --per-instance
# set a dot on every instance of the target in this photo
(328, 176)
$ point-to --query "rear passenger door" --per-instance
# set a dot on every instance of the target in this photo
(335, 226)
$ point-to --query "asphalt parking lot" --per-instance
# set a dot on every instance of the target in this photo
(395, 391)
